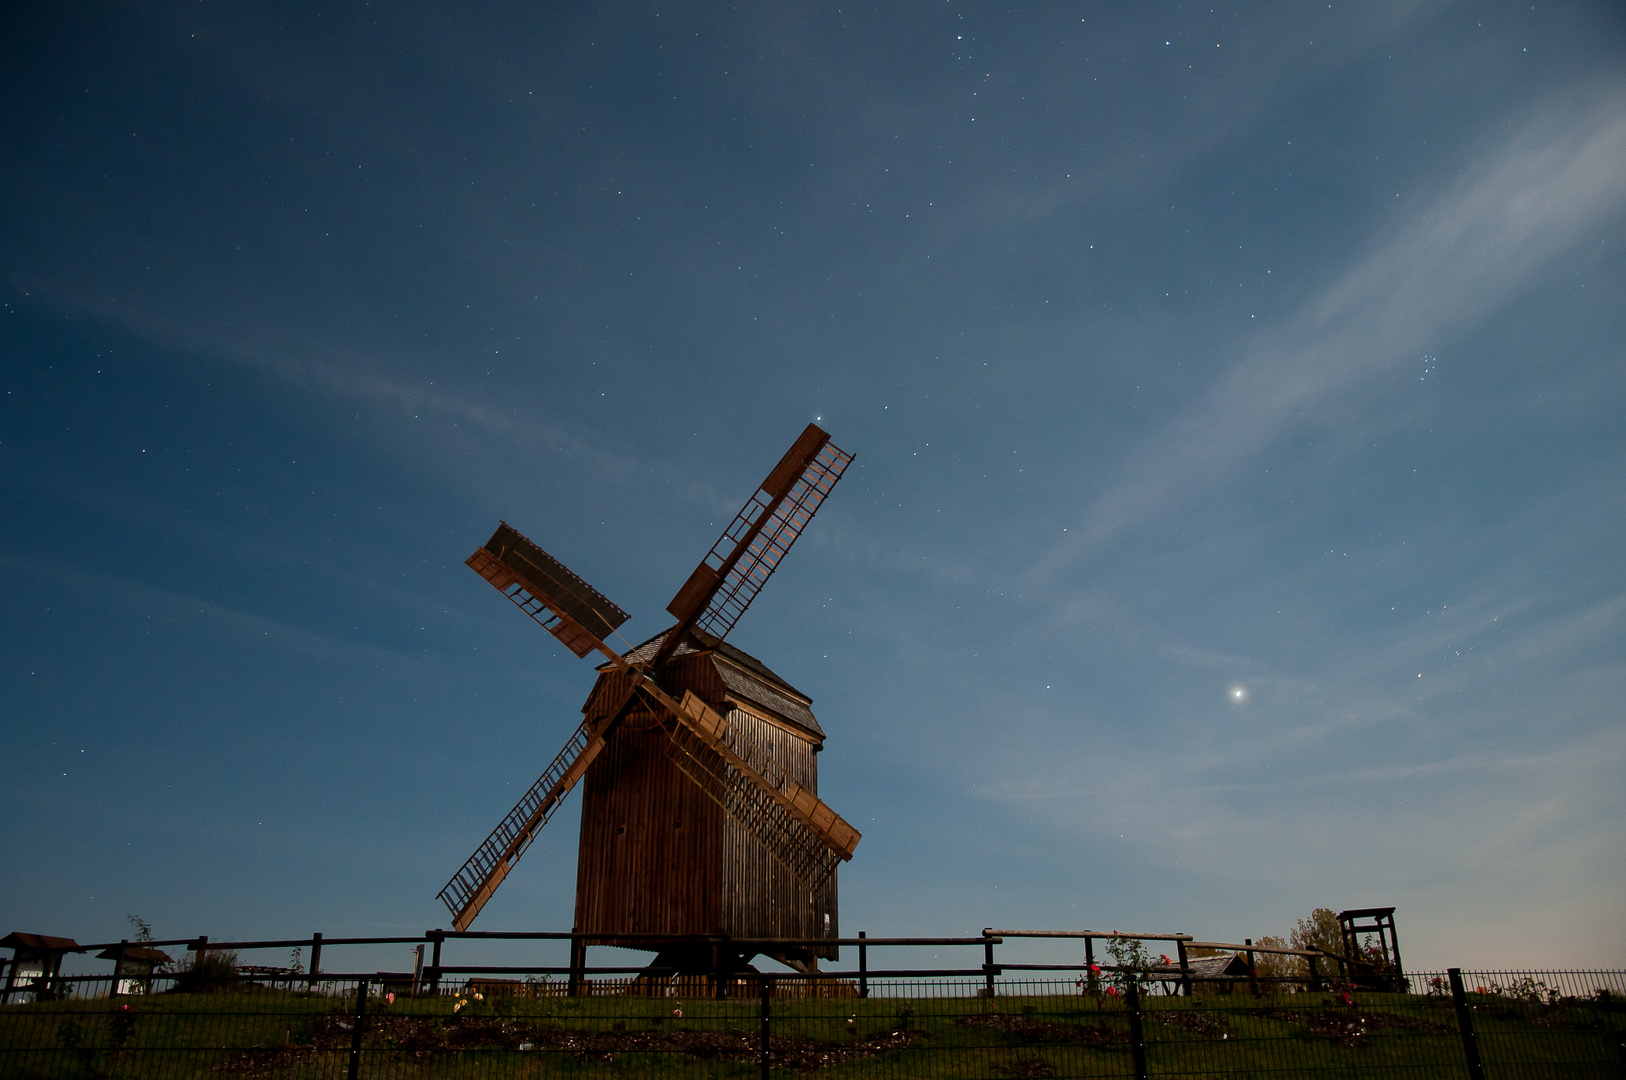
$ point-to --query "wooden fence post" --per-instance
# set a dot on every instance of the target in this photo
(435, 938)
(988, 965)
(578, 961)
(118, 966)
(1185, 968)
(316, 961)
(863, 965)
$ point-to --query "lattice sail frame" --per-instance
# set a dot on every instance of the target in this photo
(798, 828)
(730, 577)
(483, 871)
(784, 838)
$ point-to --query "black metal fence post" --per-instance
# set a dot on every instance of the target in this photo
(1137, 1038)
(1465, 1025)
(863, 965)
(355, 1032)
(766, 1014)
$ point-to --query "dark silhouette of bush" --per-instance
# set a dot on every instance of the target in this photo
(209, 971)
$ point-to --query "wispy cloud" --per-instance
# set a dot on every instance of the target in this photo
(82, 580)
(1475, 246)
(321, 370)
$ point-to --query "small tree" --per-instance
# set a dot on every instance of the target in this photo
(1321, 930)
(1274, 968)
(1129, 957)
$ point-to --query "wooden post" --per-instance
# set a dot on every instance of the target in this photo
(1092, 982)
(863, 965)
(1185, 968)
(1137, 1036)
(118, 966)
(1465, 1025)
(355, 1032)
(578, 961)
(1253, 972)
(1315, 976)
(988, 965)
(434, 962)
(1399, 969)
(316, 962)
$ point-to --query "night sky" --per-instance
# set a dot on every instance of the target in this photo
(1236, 390)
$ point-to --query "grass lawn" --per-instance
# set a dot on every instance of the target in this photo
(271, 1033)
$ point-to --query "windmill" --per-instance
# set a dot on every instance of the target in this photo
(701, 813)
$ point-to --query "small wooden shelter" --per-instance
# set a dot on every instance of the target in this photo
(36, 962)
(133, 966)
(658, 856)
(1222, 972)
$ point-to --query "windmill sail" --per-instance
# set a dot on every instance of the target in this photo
(473, 885)
(749, 803)
(751, 548)
(545, 589)
(798, 828)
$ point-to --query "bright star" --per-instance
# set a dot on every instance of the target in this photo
(1239, 693)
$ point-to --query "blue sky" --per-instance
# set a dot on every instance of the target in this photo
(1235, 390)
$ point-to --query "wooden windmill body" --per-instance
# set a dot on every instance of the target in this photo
(659, 855)
(700, 811)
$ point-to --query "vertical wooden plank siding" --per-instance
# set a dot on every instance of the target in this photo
(760, 897)
(657, 856)
(651, 843)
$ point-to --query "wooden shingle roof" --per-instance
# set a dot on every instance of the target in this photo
(38, 943)
(743, 674)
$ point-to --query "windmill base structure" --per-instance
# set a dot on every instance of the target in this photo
(700, 815)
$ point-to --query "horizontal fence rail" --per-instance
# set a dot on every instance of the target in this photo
(220, 1015)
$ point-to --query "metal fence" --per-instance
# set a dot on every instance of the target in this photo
(1450, 1024)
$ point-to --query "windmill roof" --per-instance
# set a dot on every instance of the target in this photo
(741, 672)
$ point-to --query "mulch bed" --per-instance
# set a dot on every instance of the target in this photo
(1025, 1029)
(424, 1036)
(1201, 1024)
(1351, 1027)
